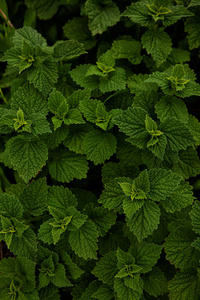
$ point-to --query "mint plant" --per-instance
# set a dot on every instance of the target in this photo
(99, 150)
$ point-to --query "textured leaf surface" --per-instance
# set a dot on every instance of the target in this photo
(188, 164)
(106, 268)
(99, 146)
(162, 183)
(158, 44)
(101, 16)
(132, 122)
(195, 216)
(34, 197)
(68, 50)
(10, 206)
(185, 286)
(177, 134)
(124, 292)
(68, 166)
(155, 283)
(179, 250)
(146, 255)
(28, 157)
(84, 240)
(145, 220)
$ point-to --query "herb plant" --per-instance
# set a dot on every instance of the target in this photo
(99, 136)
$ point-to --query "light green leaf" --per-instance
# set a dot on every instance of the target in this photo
(84, 240)
(179, 249)
(185, 286)
(162, 183)
(101, 15)
(99, 146)
(137, 84)
(68, 166)
(54, 100)
(67, 50)
(106, 268)
(158, 44)
(27, 156)
(155, 283)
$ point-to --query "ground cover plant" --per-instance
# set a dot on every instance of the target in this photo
(99, 161)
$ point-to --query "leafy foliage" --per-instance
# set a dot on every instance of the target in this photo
(99, 150)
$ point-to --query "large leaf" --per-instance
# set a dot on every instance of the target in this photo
(68, 165)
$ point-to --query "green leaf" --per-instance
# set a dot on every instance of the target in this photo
(155, 283)
(106, 268)
(194, 215)
(10, 206)
(192, 27)
(145, 220)
(124, 292)
(27, 156)
(177, 134)
(101, 15)
(115, 81)
(45, 232)
(102, 218)
(162, 183)
(188, 164)
(88, 82)
(112, 197)
(158, 44)
(171, 107)
(180, 198)
(29, 35)
(84, 240)
(60, 279)
(137, 84)
(75, 138)
(99, 146)
(103, 293)
(125, 49)
(54, 101)
(185, 286)
(61, 198)
(45, 9)
(146, 255)
(68, 166)
(132, 123)
(138, 13)
(179, 249)
(67, 50)
(25, 246)
(176, 12)
(89, 291)
(77, 29)
(194, 126)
